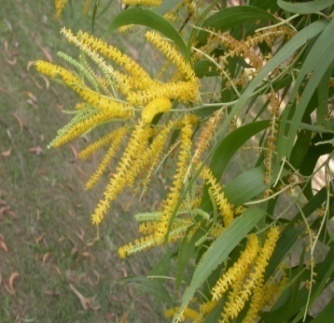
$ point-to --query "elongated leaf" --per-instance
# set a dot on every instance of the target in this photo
(232, 143)
(322, 51)
(149, 18)
(322, 91)
(221, 248)
(187, 250)
(305, 7)
(247, 186)
(205, 68)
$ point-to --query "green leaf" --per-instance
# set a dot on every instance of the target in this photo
(305, 7)
(225, 150)
(247, 186)
(205, 68)
(269, 5)
(149, 18)
(321, 51)
(186, 252)
(323, 96)
(220, 249)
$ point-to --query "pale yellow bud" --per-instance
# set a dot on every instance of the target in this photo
(160, 105)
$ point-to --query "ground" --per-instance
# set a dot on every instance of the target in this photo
(54, 265)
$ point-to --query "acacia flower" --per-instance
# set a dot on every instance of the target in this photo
(153, 3)
(243, 291)
(59, 6)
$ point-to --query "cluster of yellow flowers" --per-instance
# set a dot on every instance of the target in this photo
(241, 282)
(140, 111)
(130, 96)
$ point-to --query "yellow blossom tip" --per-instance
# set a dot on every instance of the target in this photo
(160, 105)
(153, 3)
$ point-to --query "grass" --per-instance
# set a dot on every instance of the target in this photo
(54, 265)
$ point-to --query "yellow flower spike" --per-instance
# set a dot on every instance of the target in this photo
(188, 313)
(123, 175)
(258, 301)
(80, 128)
(54, 70)
(226, 209)
(112, 77)
(153, 3)
(160, 105)
(207, 132)
(179, 177)
(88, 42)
(100, 211)
(151, 240)
(59, 6)
(239, 295)
(172, 55)
(105, 140)
(185, 92)
(151, 156)
(115, 109)
(239, 269)
(116, 141)
(205, 309)
(147, 228)
(138, 245)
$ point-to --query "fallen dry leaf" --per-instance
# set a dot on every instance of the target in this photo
(6, 153)
(47, 83)
(58, 271)
(40, 238)
(80, 234)
(87, 255)
(45, 257)
(97, 275)
(19, 121)
(3, 210)
(92, 242)
(74, 152)
(36, 150)
(11, 62)
(47, 54)
(3, 245)
(31, 96)
(52, 293)
(10, 287)
(30, 63)
(38, 85)
(83, 300)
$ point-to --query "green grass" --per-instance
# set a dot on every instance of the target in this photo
(45, 217)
